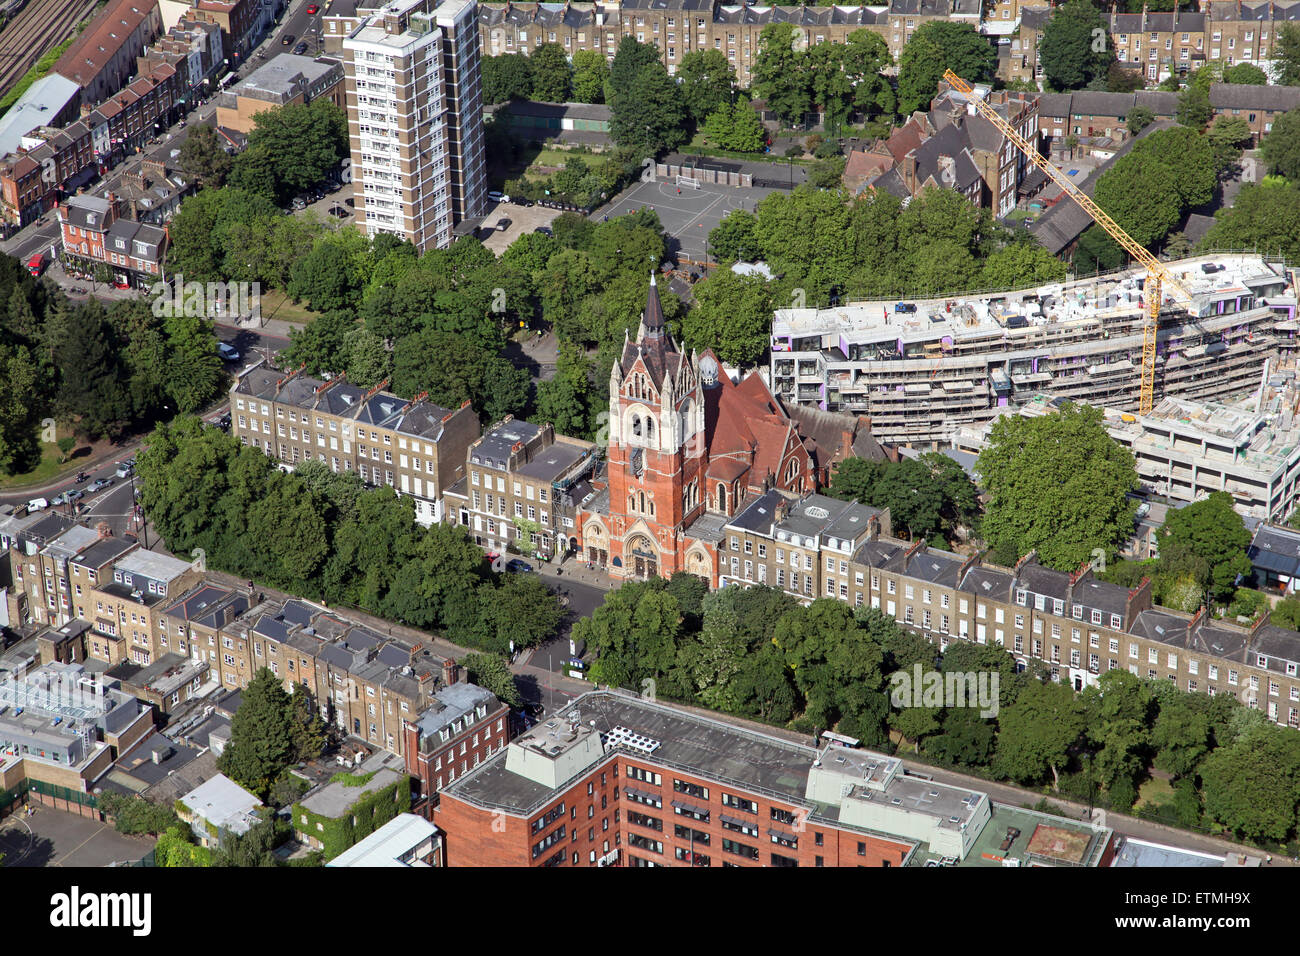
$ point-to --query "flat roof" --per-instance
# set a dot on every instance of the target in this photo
(1140, 853)
(37, 107)
(151, 564)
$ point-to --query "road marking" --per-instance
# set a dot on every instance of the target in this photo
(78, 846)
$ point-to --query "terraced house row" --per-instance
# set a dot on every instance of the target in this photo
(1078, 625)
(165, 632)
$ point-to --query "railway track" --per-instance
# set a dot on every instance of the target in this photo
(38, 28)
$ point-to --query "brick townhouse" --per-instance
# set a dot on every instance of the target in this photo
(463, 725)
(95, 231)
(415, 447)
(679, 27)
(613, 779)
(194, 49)
(521, 482)
(126, 607)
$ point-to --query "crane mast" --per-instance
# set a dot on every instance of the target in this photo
(1158, 277)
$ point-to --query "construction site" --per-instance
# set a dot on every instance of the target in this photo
(923, 369)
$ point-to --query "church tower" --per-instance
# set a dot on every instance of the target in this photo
(656, 456)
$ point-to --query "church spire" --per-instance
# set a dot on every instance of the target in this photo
(653, 322)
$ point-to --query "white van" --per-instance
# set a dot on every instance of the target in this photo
(37, 504)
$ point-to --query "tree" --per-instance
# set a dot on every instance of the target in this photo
(521, 609)
(777, 75)
(1139, 118)
(646, 112)
(1058, 485)
(261, 735)
(634, 634)
(1036, 732)
(1245, 73)
(1286, 55)
(732, 315)
(736, 127)
(1069, 52)
(303, 143)
(935, 46)
(1180, 735)
(733, 239)
(707, 82)
(1194, 109)
(1021, 265)
(1265, 216)
(590, 74)
(506, 77)
(1164, 174)
(1280, 147)
(175, 849)
(552, 75)
(492, 672)
(320, 345)
(134, 814)
(204, 157)
(1208, 539)
(91, 390)
(254, 848)
(1227, 138)
(568, 400)
(1251, 786)
(193, 375)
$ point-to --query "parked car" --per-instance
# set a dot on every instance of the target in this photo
(519, 567)
(498, 197)
(59, 499)
(124, 469)
(300, 49)
(286, 39)
(99, 484)
(906, 308)
(544, 230)
(228, 353)
(38, 504)
(503, 225)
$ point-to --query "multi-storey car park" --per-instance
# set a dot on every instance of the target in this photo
(923, 368)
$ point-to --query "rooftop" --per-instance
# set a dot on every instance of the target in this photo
(152, 565)
(1008, 315)
(282, 78)
(333, 799)
(389, 844)
(223, 803)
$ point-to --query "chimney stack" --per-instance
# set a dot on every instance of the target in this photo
(450, 672)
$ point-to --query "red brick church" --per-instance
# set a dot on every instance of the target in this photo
(687, 449)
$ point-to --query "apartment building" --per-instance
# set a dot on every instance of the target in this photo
(95, 230)
(411, 75)
(195, 49)
(519, 488)
(415, 447)
(39, 575)
(925, 370)
(197, 625)
(103, 56)
(464, 725)
(127, 608)
(1245, 32)
(1185, 450)
(242, 23)
(613, 779)
(796, 543)
(678, 27)
(284, 80)
(61, 726)
(1160, 44)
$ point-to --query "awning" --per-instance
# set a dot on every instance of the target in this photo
(690, 808)
(642, 794)
(739, 822)
(783, 835)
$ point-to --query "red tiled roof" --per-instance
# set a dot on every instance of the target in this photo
(112, 28)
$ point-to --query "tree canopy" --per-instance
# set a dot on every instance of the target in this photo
(1058, 485)
(1069, 52)
(935, 46)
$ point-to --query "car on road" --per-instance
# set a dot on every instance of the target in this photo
(300, 49)
(81, 476)
(38, 504)
(519, 567)
(99, 484)
(124, 470)
(498, 197)
(227, 352)
(76, 494)
(503, 225)
(544, 230)
(286, 39)
(313, 10)
(59, 499)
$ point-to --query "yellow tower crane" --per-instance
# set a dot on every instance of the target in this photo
(1158, 277)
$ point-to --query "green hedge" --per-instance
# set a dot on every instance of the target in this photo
(368, 814)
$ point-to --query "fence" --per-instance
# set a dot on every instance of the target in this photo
(704, 175)
(63, 798)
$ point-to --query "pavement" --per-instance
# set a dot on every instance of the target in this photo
(687, 215)
(52, 837)
(522, 219)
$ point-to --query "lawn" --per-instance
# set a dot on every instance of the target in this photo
(531, 159)
(277, 305)
(49, 469)
(1155, 792)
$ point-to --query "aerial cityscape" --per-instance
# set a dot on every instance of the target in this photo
(450, 433)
